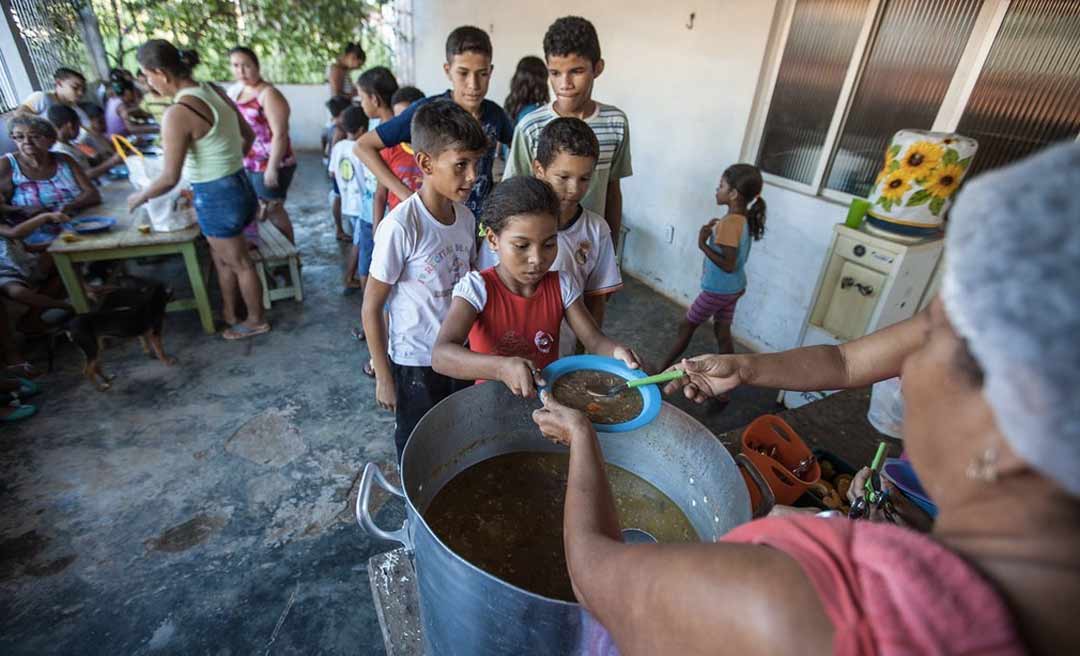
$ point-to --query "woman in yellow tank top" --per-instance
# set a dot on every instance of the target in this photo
(205, 139)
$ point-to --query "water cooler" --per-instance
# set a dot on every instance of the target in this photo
(868, 282)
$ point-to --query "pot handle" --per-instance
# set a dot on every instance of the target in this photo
(768, 499)
(372, 475)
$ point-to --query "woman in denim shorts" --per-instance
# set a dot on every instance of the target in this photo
(205, 138)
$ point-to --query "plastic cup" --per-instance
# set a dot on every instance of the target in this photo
(857, 212)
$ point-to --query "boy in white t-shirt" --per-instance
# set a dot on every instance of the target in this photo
(422, 248)
(348, 173)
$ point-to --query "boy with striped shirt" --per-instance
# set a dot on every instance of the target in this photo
(572, 51)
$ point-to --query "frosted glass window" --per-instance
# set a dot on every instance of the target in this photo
(819, 47)
(1028, 92)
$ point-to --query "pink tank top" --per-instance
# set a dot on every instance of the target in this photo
(259, 155)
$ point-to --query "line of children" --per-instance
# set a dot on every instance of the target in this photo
(566, 157)
(511, 313)
(468, 67)
(454, 315)
(572, 54)
(422, 249)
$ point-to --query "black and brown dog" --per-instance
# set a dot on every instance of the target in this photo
(133, 308)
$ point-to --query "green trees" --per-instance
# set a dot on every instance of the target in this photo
(295, 39)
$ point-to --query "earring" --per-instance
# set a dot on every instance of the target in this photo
(984, 466)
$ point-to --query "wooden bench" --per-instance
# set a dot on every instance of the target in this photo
(275, 250)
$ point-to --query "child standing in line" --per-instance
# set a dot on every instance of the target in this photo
(726, 244)
(401, 159)
(336, 105)
(511, 313)
(348, 175)
(572, 51)
(468, 66)
(376, 89)
(422, 248)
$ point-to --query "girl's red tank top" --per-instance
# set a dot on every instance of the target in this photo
(512, 325)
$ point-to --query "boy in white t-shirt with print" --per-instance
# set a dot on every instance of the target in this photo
(422, 248)
(348, 173)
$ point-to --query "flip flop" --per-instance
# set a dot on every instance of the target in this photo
(240, 331)
(28, 388)
(358, 333)
(369, 370)
(21, 412)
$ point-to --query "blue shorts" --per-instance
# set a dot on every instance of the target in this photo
(224, 206)
(285, 176)
(363, 238)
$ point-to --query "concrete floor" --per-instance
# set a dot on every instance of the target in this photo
(205, 508)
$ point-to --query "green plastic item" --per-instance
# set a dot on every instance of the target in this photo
(637, 382)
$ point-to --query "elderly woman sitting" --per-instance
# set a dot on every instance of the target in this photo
(34, 180)
(992, 428)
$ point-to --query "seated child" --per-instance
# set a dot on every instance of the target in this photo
(422, 249)
(336, 105)
(511, 313)
(23, 275)
(66, 122)
(400, 158)
(348, 175)
(93, 140)
(726, 244)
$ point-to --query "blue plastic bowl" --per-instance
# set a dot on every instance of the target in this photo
(650, 393)
(91, 224)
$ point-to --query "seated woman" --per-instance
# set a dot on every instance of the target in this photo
(991, 426)
(34, 180)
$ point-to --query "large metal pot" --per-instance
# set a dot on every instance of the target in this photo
(465, 610)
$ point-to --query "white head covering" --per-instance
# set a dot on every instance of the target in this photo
(1012, 290)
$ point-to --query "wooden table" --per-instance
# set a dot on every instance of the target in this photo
(124, 242)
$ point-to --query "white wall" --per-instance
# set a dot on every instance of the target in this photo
(688, 93)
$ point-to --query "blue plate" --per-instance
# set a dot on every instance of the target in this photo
(650, 393)
(91, 224)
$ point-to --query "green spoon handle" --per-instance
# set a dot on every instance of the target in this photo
(658, 378)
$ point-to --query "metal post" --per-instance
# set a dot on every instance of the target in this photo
(95, 45)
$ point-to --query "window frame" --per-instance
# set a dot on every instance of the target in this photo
(987, 23)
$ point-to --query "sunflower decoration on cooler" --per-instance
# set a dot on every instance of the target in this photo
(921, 173)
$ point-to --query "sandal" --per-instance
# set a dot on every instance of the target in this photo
(358, 333)
(369, 369)
(240, 331)
(28, 388)
(19, 412)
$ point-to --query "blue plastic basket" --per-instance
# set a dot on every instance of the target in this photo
(650, 393)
